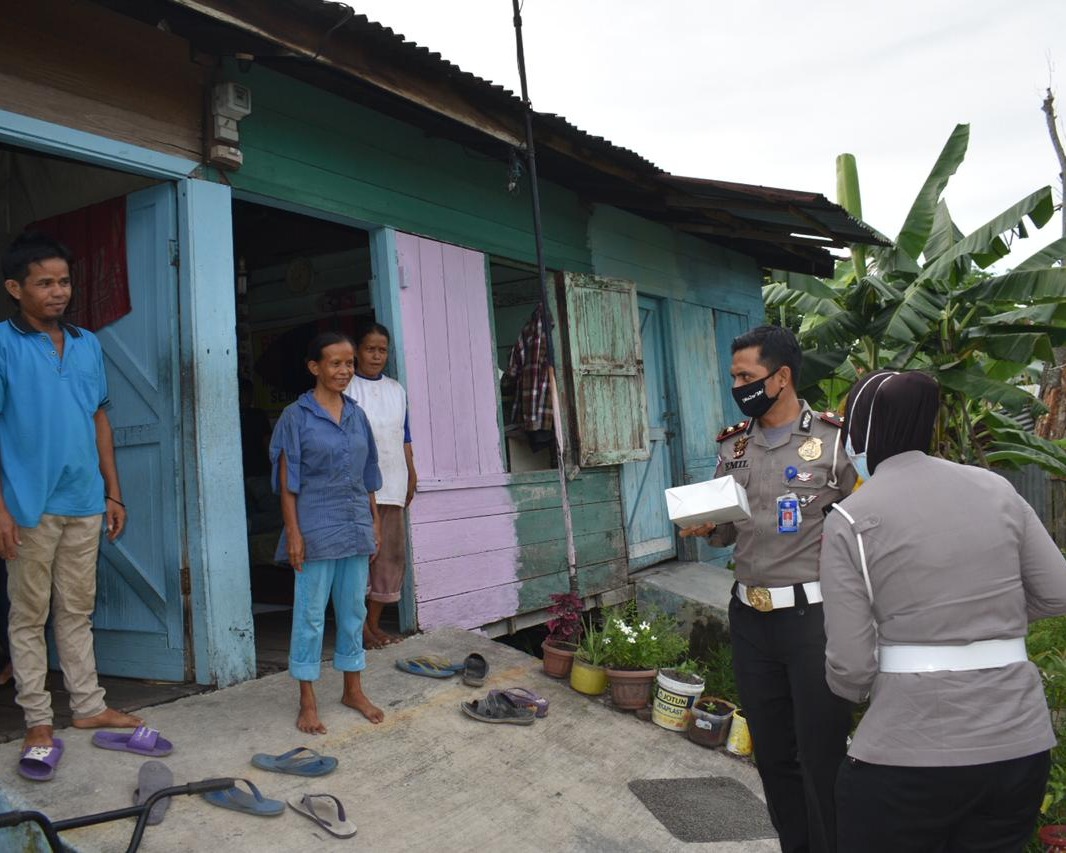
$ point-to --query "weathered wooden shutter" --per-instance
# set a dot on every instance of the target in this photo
(607, 369)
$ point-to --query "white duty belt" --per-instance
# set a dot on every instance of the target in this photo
(766, 598)
(983, 654)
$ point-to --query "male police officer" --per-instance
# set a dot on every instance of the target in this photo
(788, 459)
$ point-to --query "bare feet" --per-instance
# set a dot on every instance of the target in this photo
(109, 718)
(385, 638)
(371, 640)
(307, 720)
(354, 697)
(38, 736)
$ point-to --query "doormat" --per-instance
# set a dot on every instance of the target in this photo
(707, 808)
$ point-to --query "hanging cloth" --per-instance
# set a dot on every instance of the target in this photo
(527, 377)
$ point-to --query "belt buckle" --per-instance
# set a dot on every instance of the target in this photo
(759, 598)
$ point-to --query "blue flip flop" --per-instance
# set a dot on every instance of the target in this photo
(240, 801)
(310, 763)
(431, 666)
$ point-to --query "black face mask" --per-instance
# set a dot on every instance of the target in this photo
(752, 398)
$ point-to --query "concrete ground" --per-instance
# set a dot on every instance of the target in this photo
(427, 778)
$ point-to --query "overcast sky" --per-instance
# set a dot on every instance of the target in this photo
(770, 91)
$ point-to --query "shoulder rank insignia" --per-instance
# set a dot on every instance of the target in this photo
(732, 430)
(831, 418)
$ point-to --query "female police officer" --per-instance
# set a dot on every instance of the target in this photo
(931, 572)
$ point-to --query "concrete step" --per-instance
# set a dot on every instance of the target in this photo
(695, 593)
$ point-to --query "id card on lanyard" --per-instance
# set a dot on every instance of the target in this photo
(789, 516)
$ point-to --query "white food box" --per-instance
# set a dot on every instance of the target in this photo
(718, 500)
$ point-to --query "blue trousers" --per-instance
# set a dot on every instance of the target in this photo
(346, 580)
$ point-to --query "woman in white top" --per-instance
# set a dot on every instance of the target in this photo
(931, 573)
(385, 402)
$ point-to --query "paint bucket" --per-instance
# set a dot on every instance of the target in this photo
(739, 742)
(672, 706)
(709, 728)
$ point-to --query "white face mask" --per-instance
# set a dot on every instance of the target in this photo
(858, 460)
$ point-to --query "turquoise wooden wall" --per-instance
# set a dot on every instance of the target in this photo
(704, 284)
(309, 147)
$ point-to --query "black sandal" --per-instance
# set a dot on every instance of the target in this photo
(498, 708)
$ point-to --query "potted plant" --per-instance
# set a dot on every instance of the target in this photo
(564, 632)
(636, 646)
(588, 675)
(676, 690)
(711, 718)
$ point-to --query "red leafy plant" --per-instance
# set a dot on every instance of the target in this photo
(565, 625)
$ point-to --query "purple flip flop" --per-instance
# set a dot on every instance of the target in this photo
(143, 741)
(38, 763)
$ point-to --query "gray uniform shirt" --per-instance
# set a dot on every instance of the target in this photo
(763, 556)
(955, 555)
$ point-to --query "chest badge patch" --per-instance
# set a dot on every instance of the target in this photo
(811, 449)
(739, 446)
(805, 476)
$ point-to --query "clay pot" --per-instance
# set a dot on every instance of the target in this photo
(631, 688)
(558, 658)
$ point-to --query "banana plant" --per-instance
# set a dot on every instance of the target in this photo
(927, 302)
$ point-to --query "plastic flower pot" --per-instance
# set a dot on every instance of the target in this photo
(587, 678)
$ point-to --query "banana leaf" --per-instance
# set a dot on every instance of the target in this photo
(818, 365)
(1046, 257)
(975, 384)
(1014, 347)
(913, 315)
(914, 234)
(1020, 286)
(1040, 316)
(945, 233)
(1018, 457)
(1038, 206)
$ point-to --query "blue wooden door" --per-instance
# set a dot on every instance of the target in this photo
(728, 325)
(138, 622)
(649, 531)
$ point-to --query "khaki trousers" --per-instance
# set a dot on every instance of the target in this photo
(56, 564)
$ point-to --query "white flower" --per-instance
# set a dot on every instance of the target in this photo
(606, 640)
(654, 637)
(633, 640)
(644, 626)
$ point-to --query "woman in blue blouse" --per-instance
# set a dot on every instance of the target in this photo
(325, 467)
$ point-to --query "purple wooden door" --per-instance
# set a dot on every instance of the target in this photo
(451, 377)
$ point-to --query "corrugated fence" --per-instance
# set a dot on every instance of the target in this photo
(1045, 494)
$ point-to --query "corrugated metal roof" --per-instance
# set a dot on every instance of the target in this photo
(782, 228)
(479, 86)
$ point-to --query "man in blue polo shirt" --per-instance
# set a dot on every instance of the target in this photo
(60, 486)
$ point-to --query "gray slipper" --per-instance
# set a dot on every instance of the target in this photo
(475, 670)
(153, 776)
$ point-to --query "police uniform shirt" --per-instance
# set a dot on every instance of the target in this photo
(955, 556)
(822, 475)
